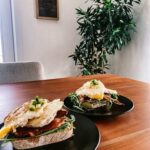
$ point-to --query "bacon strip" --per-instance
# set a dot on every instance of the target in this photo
(29, 132)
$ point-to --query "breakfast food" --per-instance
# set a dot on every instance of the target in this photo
(36, 123)
(93, 95)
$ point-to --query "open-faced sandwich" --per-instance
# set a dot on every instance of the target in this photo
(93, 95)
(36, 123)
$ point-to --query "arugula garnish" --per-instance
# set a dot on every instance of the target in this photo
(75, 101)
(114, 96)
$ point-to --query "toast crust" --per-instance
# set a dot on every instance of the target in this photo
(44, 140)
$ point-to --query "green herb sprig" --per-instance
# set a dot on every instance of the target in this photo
(94, 82)
(36, 103)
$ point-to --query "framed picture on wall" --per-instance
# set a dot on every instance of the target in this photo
(47, 9)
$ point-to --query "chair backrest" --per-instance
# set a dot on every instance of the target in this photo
(20, 72)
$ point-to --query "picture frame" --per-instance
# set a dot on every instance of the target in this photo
(47, 9)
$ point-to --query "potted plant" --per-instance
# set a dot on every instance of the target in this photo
(105, 27)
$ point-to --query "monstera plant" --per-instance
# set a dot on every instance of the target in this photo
(105, 27)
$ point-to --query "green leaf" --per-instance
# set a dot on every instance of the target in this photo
(105, 25)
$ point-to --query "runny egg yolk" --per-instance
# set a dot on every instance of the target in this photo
(4, 131)
(99, 96)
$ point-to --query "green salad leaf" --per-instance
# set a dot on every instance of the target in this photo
(74, 100)
(114, 96)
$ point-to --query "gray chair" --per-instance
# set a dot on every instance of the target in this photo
(20, 72)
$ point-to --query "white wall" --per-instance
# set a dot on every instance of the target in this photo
(52, 41)
(48, 41)
(134, 60)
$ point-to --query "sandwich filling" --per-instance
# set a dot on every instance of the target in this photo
(59, 120)
(93, 94)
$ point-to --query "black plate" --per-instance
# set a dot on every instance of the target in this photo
(115, 110)
(86, 137)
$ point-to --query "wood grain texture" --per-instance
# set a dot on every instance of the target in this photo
(130, 131)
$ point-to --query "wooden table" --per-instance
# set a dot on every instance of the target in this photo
(130, 131)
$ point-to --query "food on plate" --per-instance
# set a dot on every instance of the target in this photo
(93, 95)
(36, 123)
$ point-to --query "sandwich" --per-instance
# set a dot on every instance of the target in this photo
(36, 123)
(93, 95)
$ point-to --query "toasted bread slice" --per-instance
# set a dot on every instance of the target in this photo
(59, 136)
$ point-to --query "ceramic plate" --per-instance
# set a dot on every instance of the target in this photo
(115, 110)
